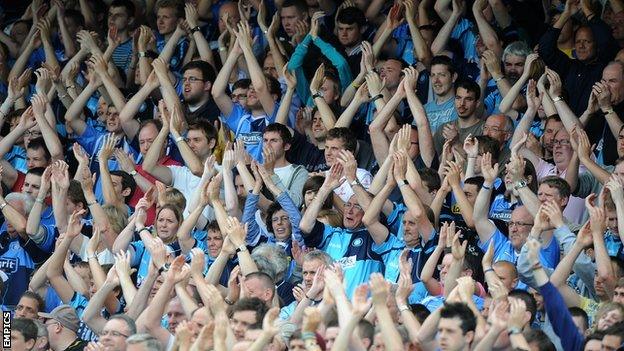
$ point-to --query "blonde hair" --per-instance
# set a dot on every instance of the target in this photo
(117, 217)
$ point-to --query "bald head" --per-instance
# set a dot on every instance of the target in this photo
(613, 77)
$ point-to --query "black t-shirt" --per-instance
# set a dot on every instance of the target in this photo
(77, 345)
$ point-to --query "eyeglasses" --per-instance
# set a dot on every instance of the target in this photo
(520, 224)
(191, 79)
(278, 219)
(487, 128)
(561, 142)
(354, 206)
(239, 96)
(112, 333)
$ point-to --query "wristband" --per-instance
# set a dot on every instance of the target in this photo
(228, 301)
(179, 139)
(195, 29)
(356, 86)
(222, 49)
(403, 182)
(376, 97)
(308, 335)
(3, 205)
(486, 187)
(536, 266)
(354, 183)
(38, 200)
(90, 257)
(403, 308)
(513, 330)
(134, 173)
(488, 270)
(608, 111)
(142, 54)
(89, 204)
(317, 95)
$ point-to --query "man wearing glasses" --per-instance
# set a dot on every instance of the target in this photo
(62, 326)
(115, 332)
(197, 78)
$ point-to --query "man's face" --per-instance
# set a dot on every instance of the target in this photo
(255, 288)
(471, 191)
(252, 99)
(465, 103)
(332, 150)
(353, 213)
(411, 236)
(195, 88)
(547, 193)
(35, 158)
(233, 15)
(198, 142)
(19, 32)
(612, 75)
(117, 183)
(308, 271)
(414, 148)
(349, 34)
(319, 132)
(562, 150)
(495, 128)
(274, 141)
(620, 143)
(290, 15)
(147, 134)
(269, 67)
(520, 227)
(32, 183)
(282, 227)
(296, 345)
(619, 170)
(114, 335)
(118, 18)
(113, 123)
(330, 93)
(612, 223)
(451, 336)
(239, 95)
(214, 240)
(241, 321)
(584, 44)
(27, 308)
(175, 314)
(391, 72)
(505, 274)
(514, 67)
(441, 80)
(330, 336)
(166, 20)
(444, 266)
(18, 343)
(241, 192)
(611, 342)
(551, 128)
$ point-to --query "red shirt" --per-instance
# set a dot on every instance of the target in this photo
(138, 193)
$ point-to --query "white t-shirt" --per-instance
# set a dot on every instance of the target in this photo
(345, 192)
(285, 173)
(104, 257)
(188, 184)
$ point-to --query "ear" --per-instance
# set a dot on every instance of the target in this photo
(286, 147)
(469, 337)
(125, 192)
(212, 143)
(514, 282)
(30, 344)
(454, 77)
(207, 86)
(564, 202)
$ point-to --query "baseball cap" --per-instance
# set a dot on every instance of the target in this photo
(65, 315)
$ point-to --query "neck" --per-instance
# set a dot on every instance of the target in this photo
(281, 162)
(257, 111)
(65, 342)
(123, 36)
(200, 102)
(467, 122)
(445, 97)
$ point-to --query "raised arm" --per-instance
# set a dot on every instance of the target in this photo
(332, 181)
(220, 85)
(378, 231)
(487, 33)
(439, 43)
(485, 228)
(203, 47)
(150, 163)
(425, 138)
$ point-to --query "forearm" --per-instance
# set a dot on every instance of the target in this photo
(139, 303)
(572, 172)
(284, 109)
(425, 137)
(564, 268)
(231, 198)
(185, 238)
(523, 126)
(170, 46)
(127, 288)
(309, 217)
(124, 238)
(568, 118)
(118, 99)
(439, 43)
(108, 190)
(50, 138)
(465, 207)
(151, 317)
(392, 338)
(87, 13)
(512, 93)
(487, 343)
(346, 117)
(216, 269)
(598, 172)
(530, 200)
(33, 224)
(92, 313)
(327, 115)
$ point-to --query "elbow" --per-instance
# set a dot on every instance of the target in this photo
(367, 220)
(197, 171)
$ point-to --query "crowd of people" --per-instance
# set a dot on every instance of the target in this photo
(312, 175)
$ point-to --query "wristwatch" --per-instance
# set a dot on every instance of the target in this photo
(403, 182)
(3, 205)
(558, 98)
(318, 94)
(134, 172)
(165, 267)
(195, 29)
(520, 184)
(513, 330)
(355, 182)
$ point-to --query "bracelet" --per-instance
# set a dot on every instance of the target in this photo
(63, 96)
(89, 204)
(228, 301)
(536, 266)
(488, 270)
(472, 157)
(486, 187)
(71, 86)
(241, 248)
(91, 257)
(308, 335)
(377, 97)
(3, 205)
(558, 98)
(499, 79)
(38, 200)
(356, 86)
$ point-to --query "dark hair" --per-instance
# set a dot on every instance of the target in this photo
(478, 181)
(471, 86)
(301, 5)
(36, 171)
(205, 126)
(127, 181)
(540, 339)
(26, 327)
(132, 329)
(489, 144)
(127, 4)
(253, 304)
(420, 311)
(462, 312)
(430, 178)
(75, 16)
(274, 86)
(314, 184)
(36, 297)
(75, 193)
(174, 4)
(347, 136)
(579, 312)
(597, 335)
(208, 72)
(445, 61)
(214, 226)
(560, 184)
(529, 301)
(617, 329)
(244, 83)
(282, 130)
(351, 15)
(38, 144)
